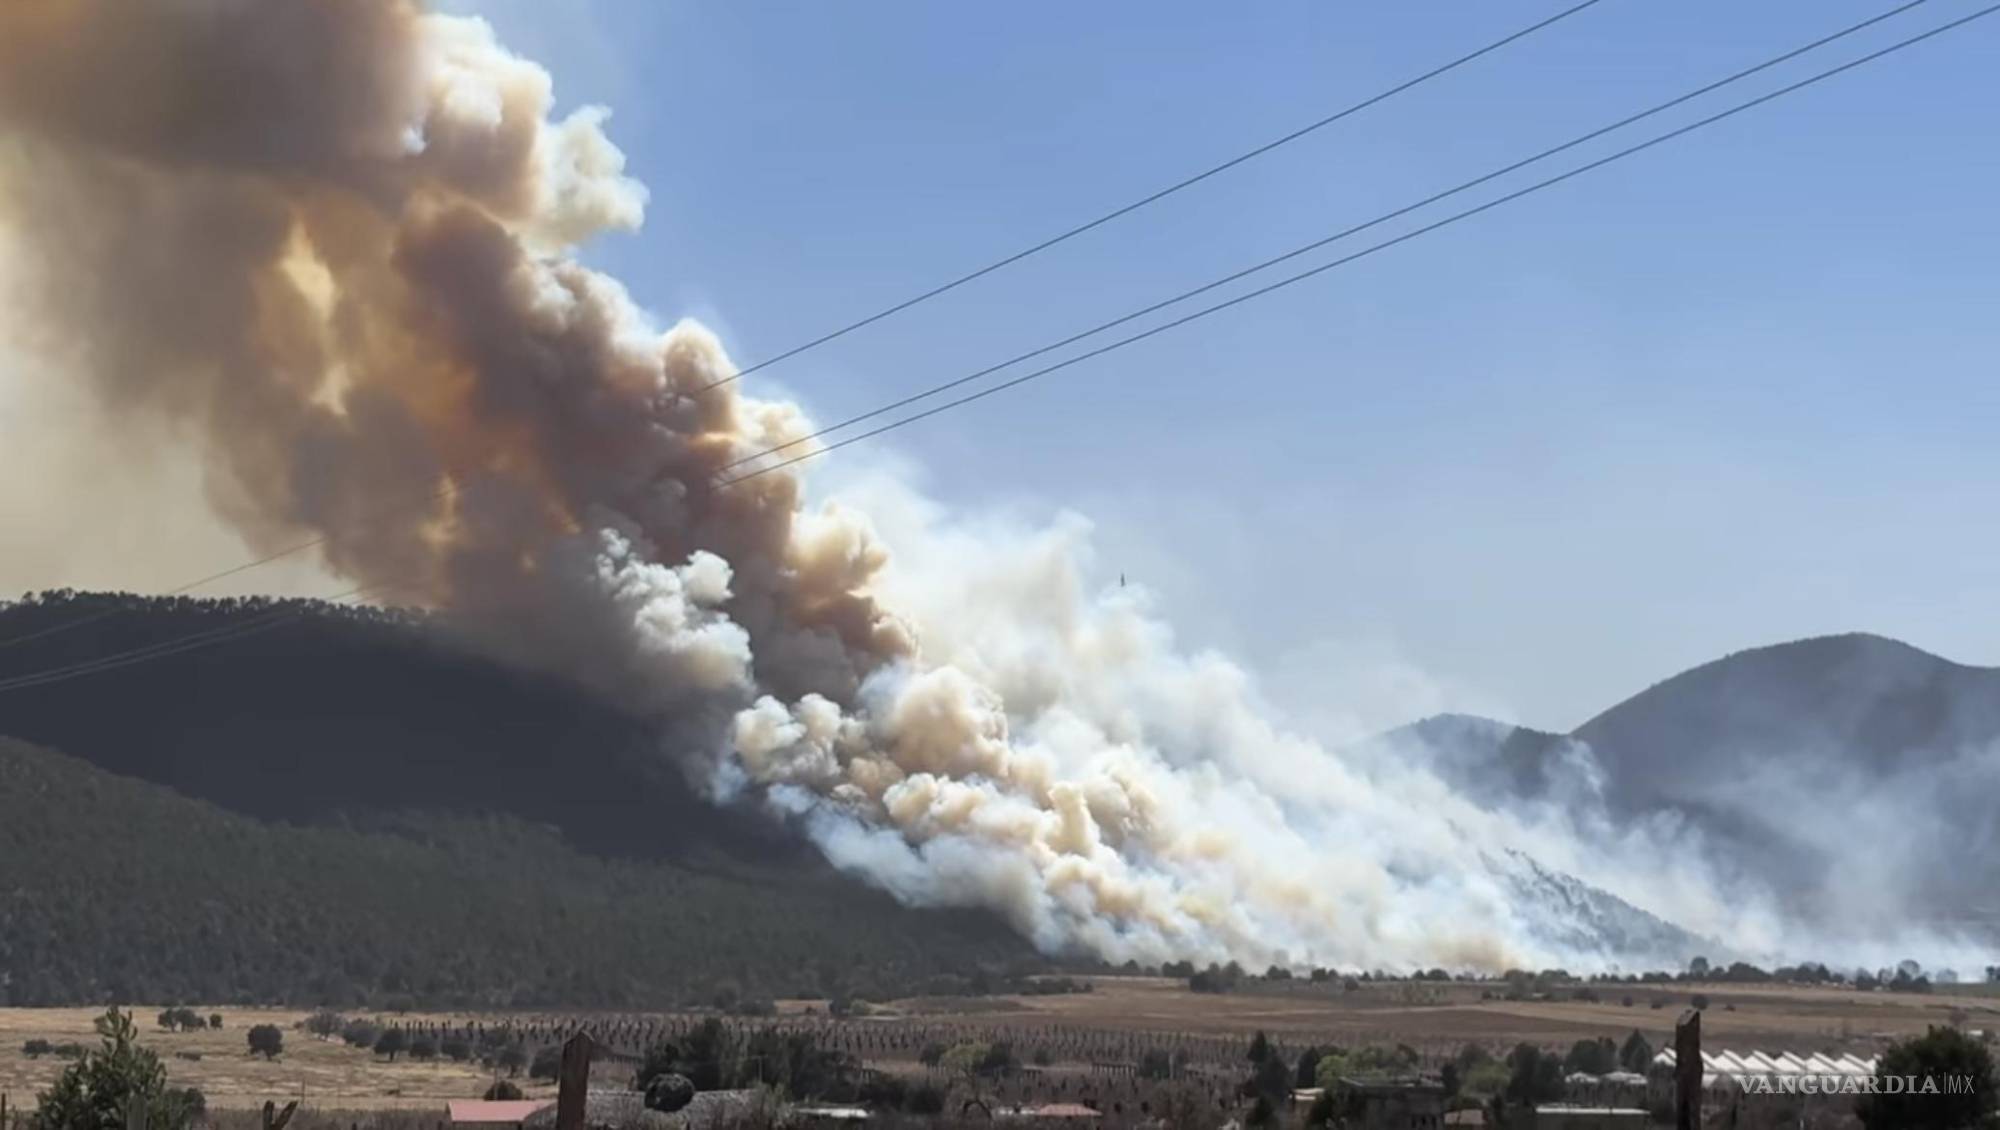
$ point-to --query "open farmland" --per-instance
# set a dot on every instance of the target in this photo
(1071, 1043)
(322, 1073)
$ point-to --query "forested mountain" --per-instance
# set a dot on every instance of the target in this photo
(1840, 773)
(317, 710)
(343, 807)
(116, 889)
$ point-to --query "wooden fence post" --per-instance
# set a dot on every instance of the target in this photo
(573, 1082)
(1687, 1071)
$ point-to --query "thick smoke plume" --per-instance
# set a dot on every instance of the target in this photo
(331, 239)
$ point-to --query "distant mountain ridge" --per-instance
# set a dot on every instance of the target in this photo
(1846, 760)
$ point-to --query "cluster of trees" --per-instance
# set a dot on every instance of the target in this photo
(714, 1056)
(1907, 976)
(1603, 1055)
(495, 1048)
(184, 1019)
(1214, 979)
(458, 912)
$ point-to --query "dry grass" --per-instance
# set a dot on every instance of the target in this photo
(333, 1078)
(325, 1074)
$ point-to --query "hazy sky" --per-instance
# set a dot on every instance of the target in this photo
(1733, 391)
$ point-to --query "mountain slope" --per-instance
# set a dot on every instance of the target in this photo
(351, 710)
(1849, 778)
(1853, 702)
(112, 888)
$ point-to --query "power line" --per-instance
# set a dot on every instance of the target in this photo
(165, 648)
(1157, 196)
(1367, 251)
(1294, 253)
(92, 618)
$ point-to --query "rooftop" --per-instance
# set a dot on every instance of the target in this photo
(486, 1110)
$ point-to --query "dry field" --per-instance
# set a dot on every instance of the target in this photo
(324, 1074)
(1123, 1012)
(1776, 1016)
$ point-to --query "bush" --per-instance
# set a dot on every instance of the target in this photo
(94, 1092)
(36, 1048)
(359, 1034)
(456, 1048)
(181, 1020)
(1938, 1053)
(266, 1040)
(502, 1091)
(547, 1063)
(662, 1058)
(423, 1048)
(669, 1092)
(925, 1099)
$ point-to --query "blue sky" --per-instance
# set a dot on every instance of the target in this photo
(1733, 391)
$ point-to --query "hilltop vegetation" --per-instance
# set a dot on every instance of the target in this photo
(120, 890)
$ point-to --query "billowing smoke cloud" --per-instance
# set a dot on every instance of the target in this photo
(331, 239)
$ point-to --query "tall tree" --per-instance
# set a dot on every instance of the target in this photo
(1636, 1054)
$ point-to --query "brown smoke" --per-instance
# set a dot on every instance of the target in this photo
(329, 236)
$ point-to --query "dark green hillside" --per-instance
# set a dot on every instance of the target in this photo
(115, 889)
(328, 710)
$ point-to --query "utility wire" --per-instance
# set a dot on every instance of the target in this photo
(1370, 250)
(164, 648)
(1294, 253)
(1162, 194)
(91, 618)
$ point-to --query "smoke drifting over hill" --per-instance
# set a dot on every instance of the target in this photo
(332, 240)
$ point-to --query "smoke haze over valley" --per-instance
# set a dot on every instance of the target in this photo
(351, 278)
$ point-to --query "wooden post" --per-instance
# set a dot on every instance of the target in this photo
(1687, 1071)
(573, 1082)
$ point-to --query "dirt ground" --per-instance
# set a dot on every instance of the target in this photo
(1434, 1018)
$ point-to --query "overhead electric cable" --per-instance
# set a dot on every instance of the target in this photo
(1344, 233)
(163, 648)
(1156, 196)
(1367, 251)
